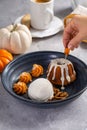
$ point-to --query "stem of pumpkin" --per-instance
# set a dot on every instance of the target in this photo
(14, 27)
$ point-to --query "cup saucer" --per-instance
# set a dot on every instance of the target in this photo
(55, 26)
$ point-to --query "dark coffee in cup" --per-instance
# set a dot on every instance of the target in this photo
(42, 1)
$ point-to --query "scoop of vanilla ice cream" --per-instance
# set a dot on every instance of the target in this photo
(40, 89)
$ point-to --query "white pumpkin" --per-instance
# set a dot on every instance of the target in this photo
(15, 38)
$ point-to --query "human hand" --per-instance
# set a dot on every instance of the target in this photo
(75, 32)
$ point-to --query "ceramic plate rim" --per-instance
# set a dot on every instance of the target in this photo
(43, 32)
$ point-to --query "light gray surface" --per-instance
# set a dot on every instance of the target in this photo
(15, 115)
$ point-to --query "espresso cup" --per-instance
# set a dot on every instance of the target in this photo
(41, 13)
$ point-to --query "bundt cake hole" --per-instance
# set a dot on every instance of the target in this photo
(60, 63)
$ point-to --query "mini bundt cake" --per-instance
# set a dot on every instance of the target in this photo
(61, 72)
(25, 77)
(37, 70)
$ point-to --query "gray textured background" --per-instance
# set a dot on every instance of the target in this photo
(15, 115)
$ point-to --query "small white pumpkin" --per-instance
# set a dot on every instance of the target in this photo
(15, 38)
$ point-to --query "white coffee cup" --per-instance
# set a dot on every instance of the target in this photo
(41, 14)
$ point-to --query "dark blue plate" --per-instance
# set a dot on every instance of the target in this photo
(25, 63)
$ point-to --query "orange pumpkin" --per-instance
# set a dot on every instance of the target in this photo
(5, 58)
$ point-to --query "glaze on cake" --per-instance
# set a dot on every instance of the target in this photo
(61, 72)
